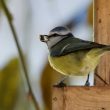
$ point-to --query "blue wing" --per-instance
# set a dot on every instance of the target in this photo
(72, 44)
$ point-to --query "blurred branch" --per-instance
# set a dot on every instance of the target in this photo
(9, 18)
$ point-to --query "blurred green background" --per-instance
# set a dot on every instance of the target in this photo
(32, 18)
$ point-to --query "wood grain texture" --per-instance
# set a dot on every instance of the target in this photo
(102, 35)
(98, 82)
(81, 98)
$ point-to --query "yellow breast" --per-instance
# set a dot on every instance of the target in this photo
(74, 64)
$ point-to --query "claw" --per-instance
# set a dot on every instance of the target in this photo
(61, 84)
(87, 81)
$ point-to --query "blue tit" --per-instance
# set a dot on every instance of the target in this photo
(72, 56)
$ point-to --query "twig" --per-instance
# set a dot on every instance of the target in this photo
(9, 18)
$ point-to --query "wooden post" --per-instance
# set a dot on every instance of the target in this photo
(96, 97)
(102, 35)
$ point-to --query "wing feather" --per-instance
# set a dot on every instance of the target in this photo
(72, 44)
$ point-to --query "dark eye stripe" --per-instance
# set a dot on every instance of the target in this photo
(53, 35)
(56, 35)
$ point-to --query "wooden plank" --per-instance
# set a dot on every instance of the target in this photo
(81, 98)
(102, 35)
(98, 82)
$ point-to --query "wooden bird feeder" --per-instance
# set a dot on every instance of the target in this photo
(96, 97)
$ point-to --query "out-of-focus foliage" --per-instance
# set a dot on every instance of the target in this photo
(4, 8)
(90, 15)
(12, 92)
(9, 85)
(49, 78)
(1, 5)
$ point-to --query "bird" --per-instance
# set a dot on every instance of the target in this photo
(70, 55)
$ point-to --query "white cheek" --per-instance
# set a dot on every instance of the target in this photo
(53, 41)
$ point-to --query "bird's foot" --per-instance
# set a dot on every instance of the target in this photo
(87, 83)
(61, 84)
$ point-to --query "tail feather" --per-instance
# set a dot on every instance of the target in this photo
(107, 48)
(99, 51)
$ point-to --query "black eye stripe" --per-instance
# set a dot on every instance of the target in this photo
(53, 35)
(56, 35)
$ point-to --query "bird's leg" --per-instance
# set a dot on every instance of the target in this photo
(87, 81)
(61, 83)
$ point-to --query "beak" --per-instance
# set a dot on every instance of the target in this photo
(44, 38)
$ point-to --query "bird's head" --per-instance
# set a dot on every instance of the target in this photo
(55, 36)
